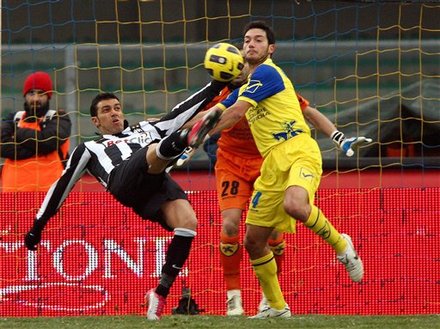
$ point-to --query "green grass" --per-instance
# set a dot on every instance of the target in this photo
(214, 322)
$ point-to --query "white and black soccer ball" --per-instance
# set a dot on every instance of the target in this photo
(223, 62)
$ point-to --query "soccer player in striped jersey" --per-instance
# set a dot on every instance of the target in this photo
(291, 169)
(130, 162)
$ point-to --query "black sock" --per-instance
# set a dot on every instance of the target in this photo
(177, 254)
(172, 146)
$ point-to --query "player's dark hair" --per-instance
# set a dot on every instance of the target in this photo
(97, 99)
(263, 26)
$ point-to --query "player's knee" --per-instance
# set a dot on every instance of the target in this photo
(254, 246)
(296, 208)
(249, 244)
(230, 228)
(231, 219)
(189, 222)
(179, 213)
(155, 164)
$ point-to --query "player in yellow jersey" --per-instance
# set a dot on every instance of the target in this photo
(291, 170)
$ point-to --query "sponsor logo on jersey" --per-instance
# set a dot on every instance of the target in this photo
(141, 139)
(256, 114)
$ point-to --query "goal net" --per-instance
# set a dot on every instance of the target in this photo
(373, 68)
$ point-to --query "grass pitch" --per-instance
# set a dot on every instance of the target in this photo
(220, 322)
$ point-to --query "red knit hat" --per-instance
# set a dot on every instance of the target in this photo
(38, 80)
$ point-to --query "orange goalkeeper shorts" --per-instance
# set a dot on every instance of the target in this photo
(235, 176)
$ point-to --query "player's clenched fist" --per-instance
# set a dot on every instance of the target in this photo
(32, 239)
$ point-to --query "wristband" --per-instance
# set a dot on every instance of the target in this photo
(337, 137)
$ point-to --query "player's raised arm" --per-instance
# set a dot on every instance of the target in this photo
(323, 124)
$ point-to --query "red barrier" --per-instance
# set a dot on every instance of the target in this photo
(97, 257)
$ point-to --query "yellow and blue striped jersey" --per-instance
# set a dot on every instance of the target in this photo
(275, 115)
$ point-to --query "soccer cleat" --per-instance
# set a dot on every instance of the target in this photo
(185, 157)
(201, 128)
(352, 261)
(155, 305)
(234, 303)
(263, 304)
(270, 312)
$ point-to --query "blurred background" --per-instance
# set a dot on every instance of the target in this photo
(372, 67)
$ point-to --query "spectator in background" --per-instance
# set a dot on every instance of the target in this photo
(34, 141)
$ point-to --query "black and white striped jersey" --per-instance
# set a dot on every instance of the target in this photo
(101, 156)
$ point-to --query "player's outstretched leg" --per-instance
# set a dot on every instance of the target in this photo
(201, 128)
(341, 243)
(351, 260)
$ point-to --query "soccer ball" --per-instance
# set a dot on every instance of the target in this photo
(223, 62)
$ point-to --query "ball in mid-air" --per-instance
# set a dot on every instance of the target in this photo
(223, 62)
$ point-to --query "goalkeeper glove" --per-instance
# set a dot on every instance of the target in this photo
(185, 157)
(349, 145)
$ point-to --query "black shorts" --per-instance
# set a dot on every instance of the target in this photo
(145, 193)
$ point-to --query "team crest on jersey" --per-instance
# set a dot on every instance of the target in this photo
(137, 128)
(289, 131)
(253, 86)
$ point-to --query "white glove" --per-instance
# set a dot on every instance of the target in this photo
(349, 145)
(185, 157)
